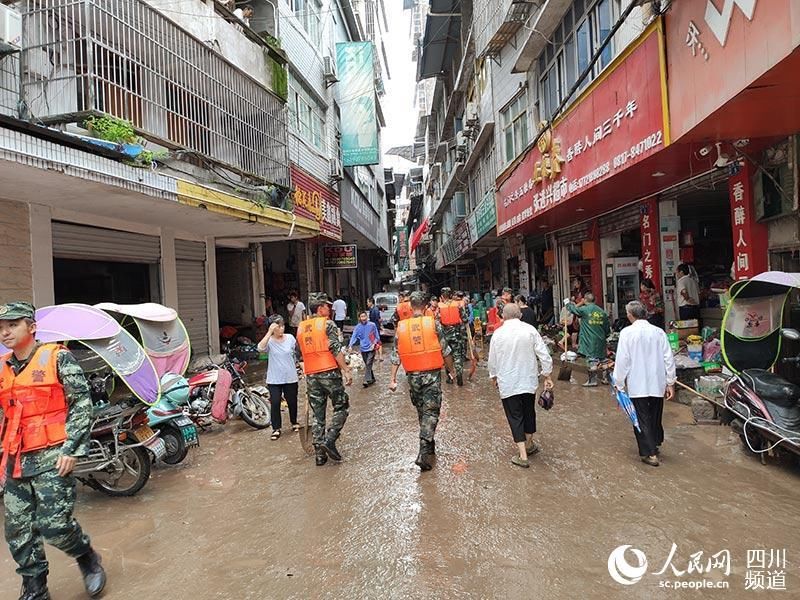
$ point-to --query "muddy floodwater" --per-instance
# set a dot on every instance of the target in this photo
(245, 517)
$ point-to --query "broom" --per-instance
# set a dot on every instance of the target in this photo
(565, 370)
(306, 436)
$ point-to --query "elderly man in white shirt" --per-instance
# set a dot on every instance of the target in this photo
(645, 368)
(515, 355)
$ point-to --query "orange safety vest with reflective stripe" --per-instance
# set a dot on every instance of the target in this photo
(312, 337)
(450, 313)
(418, 345)
(404, 311)
(34, 405)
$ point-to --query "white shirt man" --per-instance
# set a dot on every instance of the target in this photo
(296, 310)
(645, 368)
(515, 355)
(339, 310)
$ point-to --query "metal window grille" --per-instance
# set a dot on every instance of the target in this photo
(124, 58)
(9, 84)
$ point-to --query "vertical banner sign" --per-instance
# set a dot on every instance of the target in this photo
(749, 237)
(359, 120)
(648, 224)
(402, 249)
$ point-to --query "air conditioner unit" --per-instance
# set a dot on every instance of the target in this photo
(471, 113)
(329, 69)
(335, 169)
(461, 145)
(10, 29)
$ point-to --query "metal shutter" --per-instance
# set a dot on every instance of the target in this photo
(192, 303)
(574, 234)
(620, 220)
(96, 243)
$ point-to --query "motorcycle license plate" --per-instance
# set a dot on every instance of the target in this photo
(190, 434)
(157, 446)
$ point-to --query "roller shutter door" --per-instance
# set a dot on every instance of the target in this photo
(190, 262)
(96, 243)
(620, 220)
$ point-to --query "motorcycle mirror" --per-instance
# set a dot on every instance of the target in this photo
(791, 334)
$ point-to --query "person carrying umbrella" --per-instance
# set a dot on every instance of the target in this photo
(645, 368)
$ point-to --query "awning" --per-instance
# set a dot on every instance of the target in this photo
(438, 45)
(418, 233)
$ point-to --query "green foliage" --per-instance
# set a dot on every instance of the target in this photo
(280, 79)
(149, 157)
(111, 129)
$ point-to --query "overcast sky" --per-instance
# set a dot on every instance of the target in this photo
(397, 103)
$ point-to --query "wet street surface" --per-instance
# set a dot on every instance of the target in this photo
(246, 517)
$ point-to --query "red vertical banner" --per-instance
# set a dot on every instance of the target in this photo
(749, 236)
(597, 262)
(648, 225)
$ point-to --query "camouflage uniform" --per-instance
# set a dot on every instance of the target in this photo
(39, 504)
(457, 340)
(328, 384)
(426, 391)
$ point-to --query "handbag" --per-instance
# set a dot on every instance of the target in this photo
(546, 399)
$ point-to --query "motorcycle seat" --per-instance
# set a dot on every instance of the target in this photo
(772, 387)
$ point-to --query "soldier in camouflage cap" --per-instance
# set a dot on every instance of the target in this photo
(422, 349)
(454, 318)
(321, 344)
(38, 461)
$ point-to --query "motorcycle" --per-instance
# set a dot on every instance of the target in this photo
(762, 406)
(121, 449)
(222, 392)
(167, 417)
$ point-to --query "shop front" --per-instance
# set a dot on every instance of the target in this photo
(578, 188)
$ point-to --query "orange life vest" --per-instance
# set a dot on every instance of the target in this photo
(450, 313)
(418, 345)
(494, 322)
(34, 405)
(429, 312)
(313, 339)
(404, 311)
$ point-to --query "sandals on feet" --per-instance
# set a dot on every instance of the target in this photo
(276, 434)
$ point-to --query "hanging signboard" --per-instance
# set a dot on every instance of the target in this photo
(343, 256)
(749, 236)
(359, 121)
(485, 217)
(648, 225)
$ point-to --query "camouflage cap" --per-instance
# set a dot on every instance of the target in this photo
(419, 299)
(17, 310)
(508, 290)
(317, 298)
(446, 292)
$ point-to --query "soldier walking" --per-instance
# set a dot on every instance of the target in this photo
(423, 350)
(47, 411)
(323, 363)
(454, 318)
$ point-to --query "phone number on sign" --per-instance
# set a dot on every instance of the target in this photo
(651, 141)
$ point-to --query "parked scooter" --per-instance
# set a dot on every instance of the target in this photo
(222, 392)
(763, 407)
(121, 449)
(166, 416)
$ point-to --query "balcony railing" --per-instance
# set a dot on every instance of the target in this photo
(124, 58)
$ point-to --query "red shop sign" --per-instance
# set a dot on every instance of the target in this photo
(621, 121)
(315, 200)
(749, 236)
(648, 223)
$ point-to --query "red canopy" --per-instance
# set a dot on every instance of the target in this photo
(418, 233)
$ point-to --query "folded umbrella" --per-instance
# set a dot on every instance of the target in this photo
(625, 403)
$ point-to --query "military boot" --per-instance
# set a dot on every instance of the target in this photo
(94, 576)
(321, 456)
(432, 446)
(424, 457)
(329, 445)
(592, 381)
(34, 588)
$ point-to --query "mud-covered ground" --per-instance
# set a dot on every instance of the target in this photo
(246, 517)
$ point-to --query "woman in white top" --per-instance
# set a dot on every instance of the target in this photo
(281, 348)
